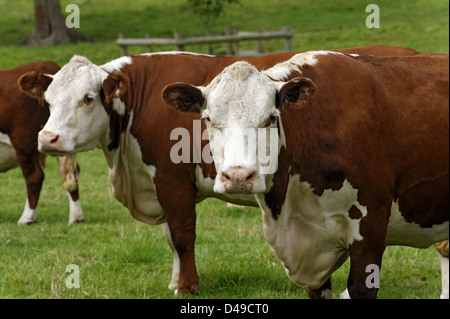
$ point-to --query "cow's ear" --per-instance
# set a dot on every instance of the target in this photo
(297, 93)
(115, 86)
(35, 84)
(183, 97)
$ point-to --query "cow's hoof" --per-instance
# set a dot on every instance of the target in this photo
(179, 292)
(76, 221)
(26, 221)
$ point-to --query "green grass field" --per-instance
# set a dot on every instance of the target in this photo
(120, 257)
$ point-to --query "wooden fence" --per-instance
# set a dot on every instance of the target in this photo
(230, 38)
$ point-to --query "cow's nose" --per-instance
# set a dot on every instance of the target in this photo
(48, 141)
(238, 180)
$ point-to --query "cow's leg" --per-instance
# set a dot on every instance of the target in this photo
(345, 294)
(34, 177)
(179, 209)
(366, 254)
(176, 260)
(442, 250)
(75, 210)
(364, 263)
(182, 221)
(69, 170)
(324, 292)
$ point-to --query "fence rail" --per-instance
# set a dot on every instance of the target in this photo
(230, 38)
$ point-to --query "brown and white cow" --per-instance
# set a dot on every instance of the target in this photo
(21, 118)
(361, 156)
(117, 107)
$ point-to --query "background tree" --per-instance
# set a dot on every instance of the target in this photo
(208, 10)
(50, 27)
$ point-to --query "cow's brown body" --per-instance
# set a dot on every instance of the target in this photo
(21, 118)
(363, 162)
(153, 122)
(383, 126)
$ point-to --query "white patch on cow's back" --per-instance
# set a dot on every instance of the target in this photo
(401, 232)
(149, 54)
(132, 179)
(116, 64)
(282, 70)
(8, 159)
(312, 234)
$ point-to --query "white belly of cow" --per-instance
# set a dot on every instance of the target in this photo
(312, 233)
(8, 159)
(401, 232)
(132, 181)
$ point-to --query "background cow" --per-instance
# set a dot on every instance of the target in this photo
(361, 156)
(118, 107)
(21, 118)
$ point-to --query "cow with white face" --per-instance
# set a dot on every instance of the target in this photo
(21, 118)
(362, 161)
(78, 120)
(244, 167)
(117, 108)
(241, 113)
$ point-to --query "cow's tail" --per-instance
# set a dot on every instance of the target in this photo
(69, 170)
(442, 248)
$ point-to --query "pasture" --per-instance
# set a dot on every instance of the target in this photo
(119, 257)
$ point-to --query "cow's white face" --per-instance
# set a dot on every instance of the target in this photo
(78, 120)
(242, 123)
(241, 111)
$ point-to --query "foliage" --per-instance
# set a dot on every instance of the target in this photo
(208, 10)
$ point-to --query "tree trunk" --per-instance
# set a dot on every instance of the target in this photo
(50, 27)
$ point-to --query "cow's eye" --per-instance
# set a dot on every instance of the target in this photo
(87, 99)
(272, 119)
(208, 120)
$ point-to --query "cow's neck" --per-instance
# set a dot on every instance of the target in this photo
(132, 179)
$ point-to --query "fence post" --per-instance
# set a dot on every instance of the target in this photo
(287, 41)
(178, 41)
(123, 48)
(149, 47)
(236, 43)
(229, 49)
(259, 42)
